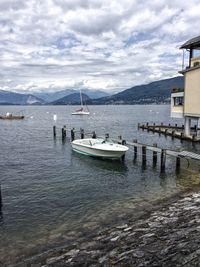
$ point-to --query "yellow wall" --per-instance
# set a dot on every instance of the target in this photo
(192, 93)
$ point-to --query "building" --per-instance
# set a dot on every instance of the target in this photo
(185, 102)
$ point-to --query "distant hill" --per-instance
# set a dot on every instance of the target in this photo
(53, 96)
(72, 99)
(156, 92)
(10, 98)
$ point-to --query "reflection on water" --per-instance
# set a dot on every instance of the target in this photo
(104, 164)
(52, 195)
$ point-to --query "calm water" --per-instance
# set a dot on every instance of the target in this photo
(50, 194)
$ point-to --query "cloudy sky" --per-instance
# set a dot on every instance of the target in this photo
(49, 45)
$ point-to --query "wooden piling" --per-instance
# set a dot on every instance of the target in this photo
(193, 138)
(162, 160)
(54, 131)
(94, 136)
(178, 164)
(144, 155)
(1, 203)
(82, 133)
(72, 135)
(64, 131)
(155, 156)
(135, 149)
(63, 135)
(138, 125)
(123, 143)
(182, 136)
(106, 135)
(173, 134)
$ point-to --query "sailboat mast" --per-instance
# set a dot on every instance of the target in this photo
(81, 98)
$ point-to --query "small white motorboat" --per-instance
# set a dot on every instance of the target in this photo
(99, 147)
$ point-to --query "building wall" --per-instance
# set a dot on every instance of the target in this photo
(192, 93)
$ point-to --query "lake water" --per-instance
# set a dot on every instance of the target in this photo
(51, 194)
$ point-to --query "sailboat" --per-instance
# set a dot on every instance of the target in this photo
(81, 111)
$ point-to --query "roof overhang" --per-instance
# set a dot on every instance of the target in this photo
(193, 43)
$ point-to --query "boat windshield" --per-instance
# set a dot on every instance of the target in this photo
(107, 140)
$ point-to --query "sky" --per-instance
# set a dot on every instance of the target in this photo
(111, 45)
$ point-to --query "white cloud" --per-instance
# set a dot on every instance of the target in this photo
(55, 44)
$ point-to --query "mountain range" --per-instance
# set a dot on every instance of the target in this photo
(53, 96)
(156, 92)
(72, 99)
(11, 98)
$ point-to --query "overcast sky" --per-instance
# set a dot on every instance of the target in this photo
(51, 45)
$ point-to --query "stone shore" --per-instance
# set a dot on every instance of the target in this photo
(168, 235)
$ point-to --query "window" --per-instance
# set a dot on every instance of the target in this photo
(178, 101)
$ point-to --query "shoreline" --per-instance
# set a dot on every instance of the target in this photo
(167, 233)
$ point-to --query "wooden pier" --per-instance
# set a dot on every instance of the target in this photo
(138, 148)
(174, 131)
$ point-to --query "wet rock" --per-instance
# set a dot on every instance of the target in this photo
(114, 238)
(72, 253)
(54, 259)
(102, 259)
(127, 229)
(167, 237)
(124, 226)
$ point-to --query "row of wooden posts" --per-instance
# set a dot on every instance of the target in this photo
(155, 150)
(164, 129)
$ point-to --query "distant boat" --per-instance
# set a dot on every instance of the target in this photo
(99, 147)
(81, 111)
(9, 116)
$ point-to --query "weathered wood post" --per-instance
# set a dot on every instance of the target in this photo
(123, 143)
(144, 155)
(54, 131)
(162, 160)
(138, 125)
(173, 134)
(72, 135)
(155, 156)
(54, 127)
(82, 133)
(107, 136)
(1, 203)
(94, 136)
(63, 135)
(178, 164)
(182, 136)
(135, 149)
(65, 130)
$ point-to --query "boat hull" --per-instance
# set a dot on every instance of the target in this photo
(80, 113)
(113, 151)
(11, 117)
